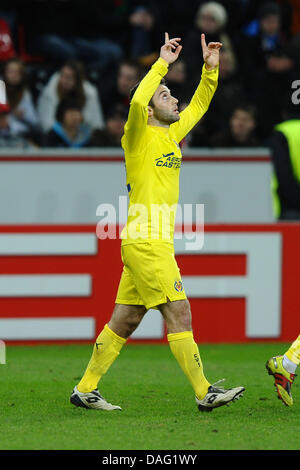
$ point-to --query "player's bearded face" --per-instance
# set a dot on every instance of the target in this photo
(165, 116)
(165, 107)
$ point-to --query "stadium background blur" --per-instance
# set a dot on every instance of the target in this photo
(68, 68)
(109, 46)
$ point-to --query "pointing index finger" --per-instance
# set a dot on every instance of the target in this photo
(203, 42)
(166, 38)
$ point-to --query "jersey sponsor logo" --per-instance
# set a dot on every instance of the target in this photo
(178, 286)
(169, 161)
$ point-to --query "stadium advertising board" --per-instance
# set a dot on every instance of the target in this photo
(58, 283)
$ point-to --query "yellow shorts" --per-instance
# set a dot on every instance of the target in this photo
(150, 275)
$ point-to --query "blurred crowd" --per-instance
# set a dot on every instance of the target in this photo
(69, 66)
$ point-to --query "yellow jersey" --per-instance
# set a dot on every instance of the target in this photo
(153, 158)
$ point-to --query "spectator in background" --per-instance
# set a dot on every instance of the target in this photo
(63, 29)
(7, 48)
(198, 137)
(240, 13)
(111, 136)
(69, 129)
(129, 73)
(241, 130)
(211, 19)
(262, 40)
(176, 81)
(144, 42)
(285, 150)
(22, 110)
(98, 33)
(130, 28)
(289, 15)
(229, 94)
(69, 83)
(11, 135)
(268, 61)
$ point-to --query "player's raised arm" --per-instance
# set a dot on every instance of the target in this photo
(169, 52)
(203, 95)
(138, 113)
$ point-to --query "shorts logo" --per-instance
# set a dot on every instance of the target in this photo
(178, 286)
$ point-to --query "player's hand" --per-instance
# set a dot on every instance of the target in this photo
(210, 53)
(171, 49)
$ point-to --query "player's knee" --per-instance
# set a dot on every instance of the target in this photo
(124, 328)
(178, 316)
(185, 318)
(184, 310)
(131, 324)
(121, 329)
(124, 323)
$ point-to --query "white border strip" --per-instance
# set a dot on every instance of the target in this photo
(48, 244)
(45, 285)
(47, 328)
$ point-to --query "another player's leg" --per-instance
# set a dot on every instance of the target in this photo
(180, 336)
(283, 369)
(107, 347)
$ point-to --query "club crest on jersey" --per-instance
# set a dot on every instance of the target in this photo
(178, 286)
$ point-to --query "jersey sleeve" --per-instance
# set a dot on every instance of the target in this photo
(138, 112)
(198, 105)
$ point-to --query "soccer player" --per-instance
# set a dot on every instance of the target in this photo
(150, 277)
(283, 369)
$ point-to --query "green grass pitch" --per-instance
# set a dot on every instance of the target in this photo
(159, 410)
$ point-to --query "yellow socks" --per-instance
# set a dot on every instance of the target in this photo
(106, 349)
(291, 358)
(187, 355)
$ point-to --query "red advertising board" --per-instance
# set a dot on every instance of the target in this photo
(58, 283)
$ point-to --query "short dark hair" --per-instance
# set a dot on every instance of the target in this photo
(268, 9)
(247, 107)
(133, 90)
(117, 111)
(65, 105)
(131, 63)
